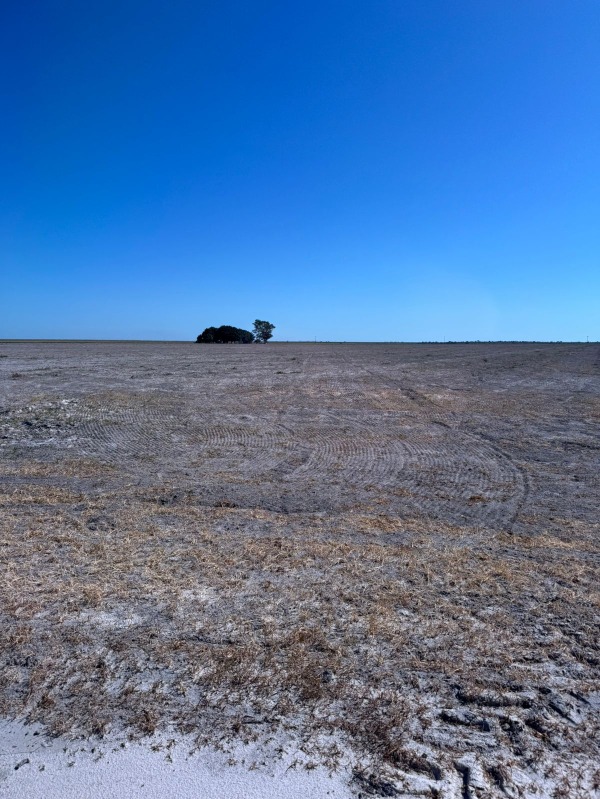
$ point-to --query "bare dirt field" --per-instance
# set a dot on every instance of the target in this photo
(392, 548)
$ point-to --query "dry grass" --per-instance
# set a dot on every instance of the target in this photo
(159, 613)
(64, 468)
(131, 600)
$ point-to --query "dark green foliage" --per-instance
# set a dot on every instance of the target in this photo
(225, 334)
(208, 336)
(263, 331)
(245, 336)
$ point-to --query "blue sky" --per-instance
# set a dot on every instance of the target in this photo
(415, 170)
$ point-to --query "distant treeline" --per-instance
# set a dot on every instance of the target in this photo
(225, 334)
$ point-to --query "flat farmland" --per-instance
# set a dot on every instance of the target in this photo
(388, 548)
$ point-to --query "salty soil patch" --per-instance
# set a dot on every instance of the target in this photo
(390, 548)
(158, 766)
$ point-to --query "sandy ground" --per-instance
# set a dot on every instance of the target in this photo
(384, 549)
(37, 767)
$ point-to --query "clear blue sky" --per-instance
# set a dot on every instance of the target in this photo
(399, 170)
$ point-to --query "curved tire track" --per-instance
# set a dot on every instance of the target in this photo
(459, 474)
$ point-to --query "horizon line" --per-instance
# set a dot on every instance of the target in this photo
(288, 341)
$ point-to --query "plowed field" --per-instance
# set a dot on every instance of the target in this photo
(390, 546)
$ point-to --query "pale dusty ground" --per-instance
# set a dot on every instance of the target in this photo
(392, 546)
(37, 767)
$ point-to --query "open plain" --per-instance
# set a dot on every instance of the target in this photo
(384, 548)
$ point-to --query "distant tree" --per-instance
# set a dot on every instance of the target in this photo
(207, 336)
(225, 334)
(246, 337)
(263, 331)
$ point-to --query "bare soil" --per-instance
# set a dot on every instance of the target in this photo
(393, 547)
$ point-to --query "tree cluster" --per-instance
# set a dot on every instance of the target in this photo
(227, 334)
